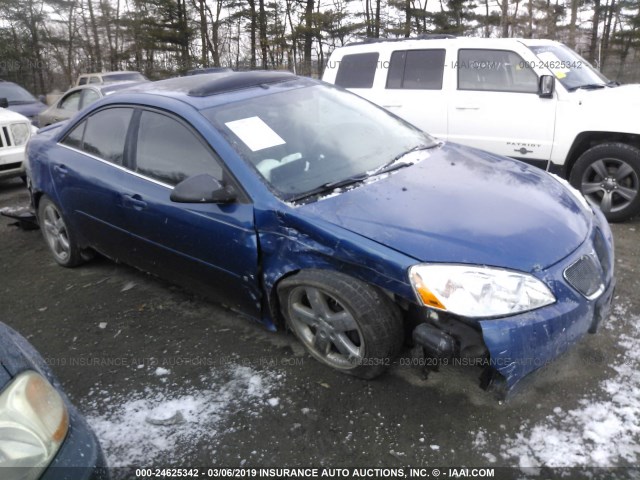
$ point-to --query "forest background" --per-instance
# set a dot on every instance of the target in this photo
(45, 44)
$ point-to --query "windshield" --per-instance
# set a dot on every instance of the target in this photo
(302, 139)
(15, 94)
(571, 69)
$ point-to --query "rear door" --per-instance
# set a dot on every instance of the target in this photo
(413, 89)
(211, 248)
(87, 171)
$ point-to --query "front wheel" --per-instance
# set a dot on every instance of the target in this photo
(57, 234)
(342, 322)
(609, 174)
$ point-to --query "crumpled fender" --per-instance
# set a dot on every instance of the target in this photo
(289, 243)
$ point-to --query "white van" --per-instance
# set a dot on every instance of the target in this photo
(534, 100)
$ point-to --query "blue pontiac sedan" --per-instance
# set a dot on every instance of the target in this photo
(300, 204)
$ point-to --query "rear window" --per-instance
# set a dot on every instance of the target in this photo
(357, 70)
(416, 69)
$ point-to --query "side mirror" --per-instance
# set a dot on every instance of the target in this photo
(4, 103)
(202, 188)
(546, 86)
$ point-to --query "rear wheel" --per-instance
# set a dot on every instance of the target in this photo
(346, 324)
(57, 234)
(609, 174)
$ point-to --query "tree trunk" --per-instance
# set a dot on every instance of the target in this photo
(504, 20)
(96, 38)
(573, 23)
(593, 48)
(262, 24)
(308, 37)
(252, 31)
(204, 34)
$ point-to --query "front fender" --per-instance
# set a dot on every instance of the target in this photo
(290, 242)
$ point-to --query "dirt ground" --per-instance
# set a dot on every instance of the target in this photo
(115, 335)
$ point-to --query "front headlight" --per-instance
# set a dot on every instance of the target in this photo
(474, 291)
(20, 133)
(33, 424)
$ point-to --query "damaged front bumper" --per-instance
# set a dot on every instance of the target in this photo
(512, 347)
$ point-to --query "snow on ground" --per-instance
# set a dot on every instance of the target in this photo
(141, 428)
(604, 428)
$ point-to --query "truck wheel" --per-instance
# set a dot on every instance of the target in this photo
(609, 174)
(344, 323)
(56, 232)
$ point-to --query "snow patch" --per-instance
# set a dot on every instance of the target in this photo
(145, 427)
(602, 431)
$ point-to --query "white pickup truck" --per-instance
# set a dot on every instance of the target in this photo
(534, 100)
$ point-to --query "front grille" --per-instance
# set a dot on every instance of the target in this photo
(5, 140)
(585, 275)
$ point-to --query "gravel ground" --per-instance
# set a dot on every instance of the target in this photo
(168, 379)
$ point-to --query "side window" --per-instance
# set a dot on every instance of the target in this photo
(170, 152)
(106, 132)
(416, 69)
(82, 81)
(89, 96)
(74, 138)
(357, 70)
(71, 102)
(495, 70)
(94, 80)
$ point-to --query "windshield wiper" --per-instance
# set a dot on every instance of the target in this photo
(330, 186)
(588, 86)
(422, 146)
(361, 177)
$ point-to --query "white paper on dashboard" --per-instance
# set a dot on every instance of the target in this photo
(255, 134)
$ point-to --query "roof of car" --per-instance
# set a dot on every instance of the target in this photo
(193, 89)
(117, 72)
(379, 44)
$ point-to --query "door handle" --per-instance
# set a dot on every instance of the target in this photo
(134, 201)
(467, 107)
(391, 106)
(61, 169)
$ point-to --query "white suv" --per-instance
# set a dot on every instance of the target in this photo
(534, 100)
(15, 131)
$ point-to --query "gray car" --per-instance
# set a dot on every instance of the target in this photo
(78, 98)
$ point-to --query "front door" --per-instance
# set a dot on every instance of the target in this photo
(496, 106)
(210, 248)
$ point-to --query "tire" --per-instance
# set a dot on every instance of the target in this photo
(609, 174)
(57, 234)
(344, 323)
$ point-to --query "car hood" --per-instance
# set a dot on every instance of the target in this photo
(29, 110)
(8, 116)
(462, 205)
(622, 95)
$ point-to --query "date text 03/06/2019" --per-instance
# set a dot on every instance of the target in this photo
(367, 473)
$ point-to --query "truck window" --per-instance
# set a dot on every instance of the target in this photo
(357, 70)
(416, 69)
(495, 70)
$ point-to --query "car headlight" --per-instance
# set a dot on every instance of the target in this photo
(33, 424)
(475, 291)
(20, 133)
